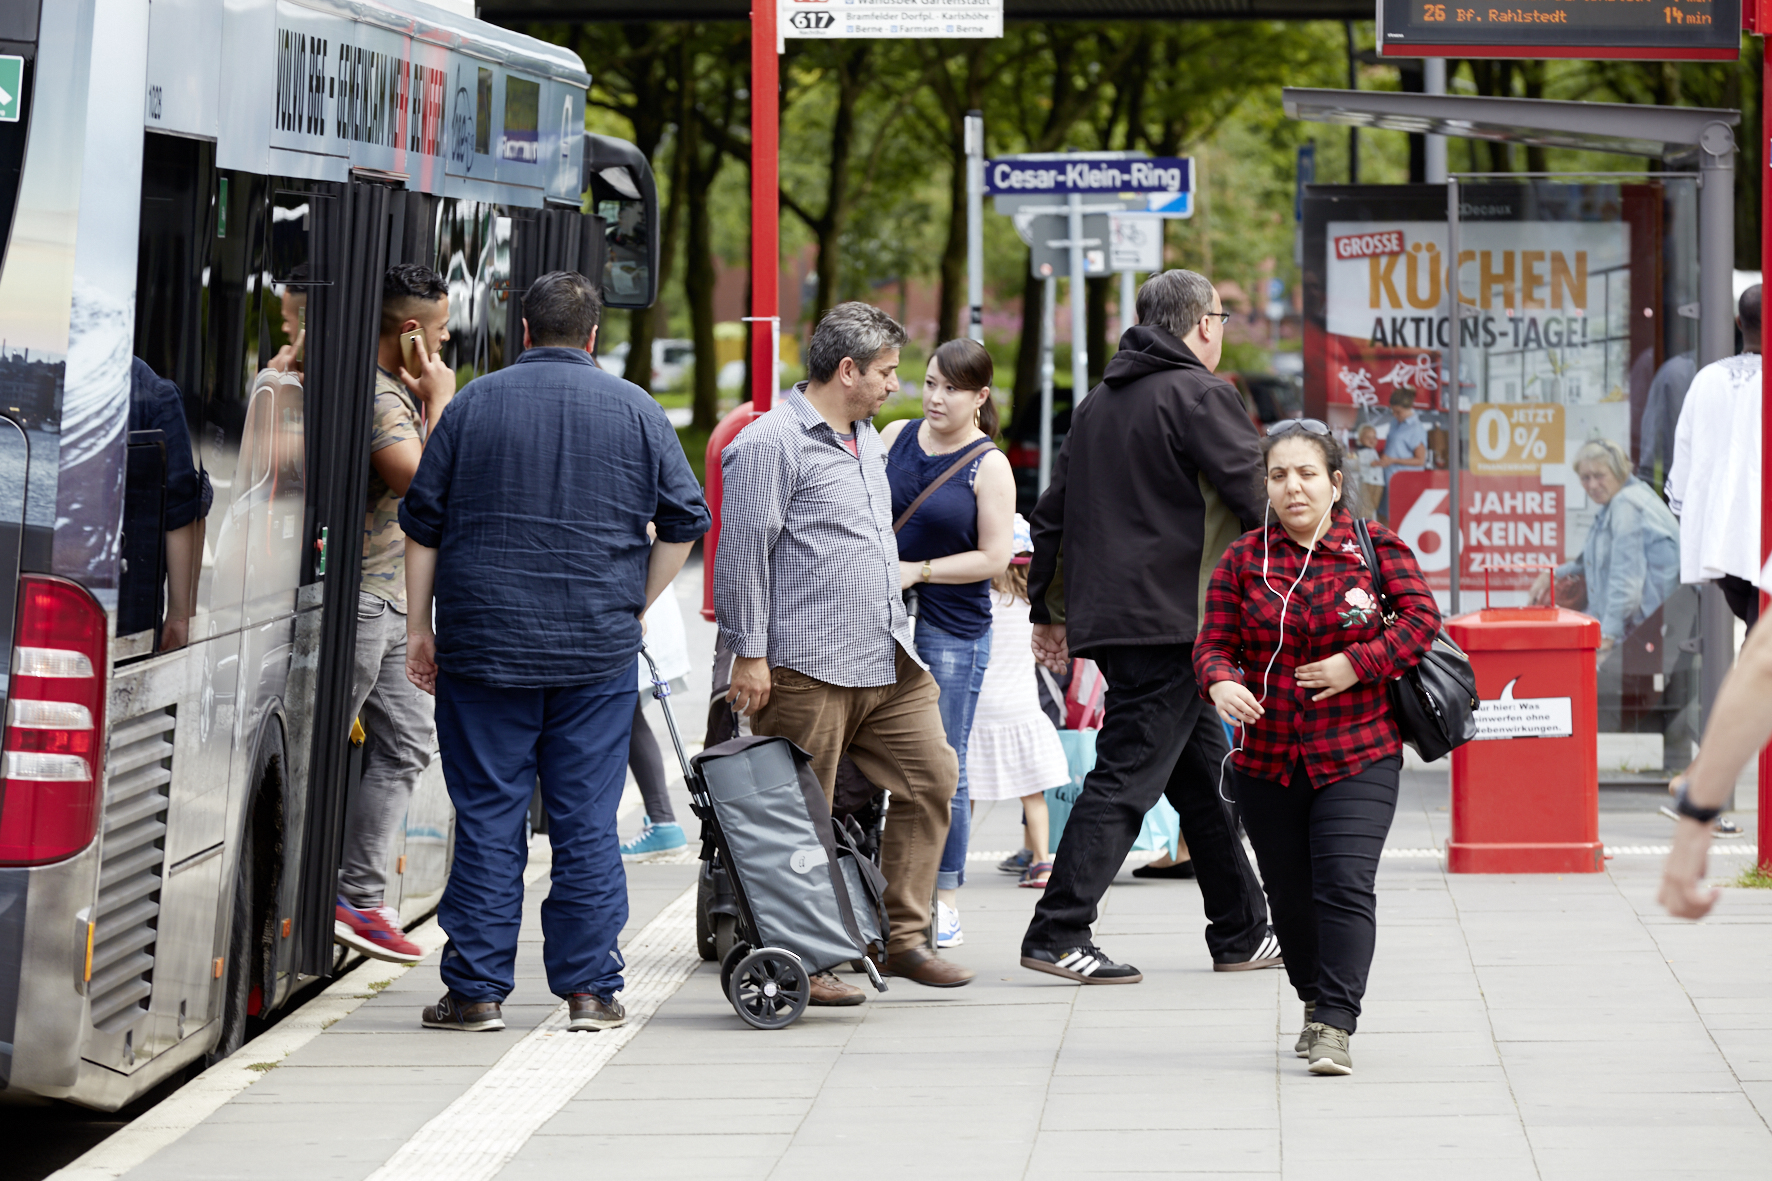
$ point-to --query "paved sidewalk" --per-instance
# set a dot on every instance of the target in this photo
(1532, 1027)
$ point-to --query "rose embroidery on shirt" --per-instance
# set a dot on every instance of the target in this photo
(1360, 607)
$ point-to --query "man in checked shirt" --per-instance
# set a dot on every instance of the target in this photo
(806, 593)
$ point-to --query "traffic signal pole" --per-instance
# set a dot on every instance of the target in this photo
(765, 317)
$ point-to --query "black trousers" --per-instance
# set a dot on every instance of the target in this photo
(1159, 738)
(1319, 852)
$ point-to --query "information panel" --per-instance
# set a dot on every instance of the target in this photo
(1650, 30)
(890, 18)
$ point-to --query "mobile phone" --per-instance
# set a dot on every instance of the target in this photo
(301, 334)
(412, 351)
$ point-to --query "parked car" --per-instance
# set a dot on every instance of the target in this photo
(671, 361)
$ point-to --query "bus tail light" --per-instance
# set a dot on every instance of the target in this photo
(55, 716)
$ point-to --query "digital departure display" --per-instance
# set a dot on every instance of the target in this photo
(1651, 30)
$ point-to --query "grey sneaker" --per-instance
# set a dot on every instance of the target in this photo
(1304, 1035)
(452, 1012)
(590, 1012)
(1328, 1050)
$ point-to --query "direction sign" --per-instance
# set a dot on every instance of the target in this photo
(816, 19)
(1039, 231)
(1648, 30)
(12, 87)
(1135, 242)
(1080, 174)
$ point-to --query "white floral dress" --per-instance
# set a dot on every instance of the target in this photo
(1014, 750)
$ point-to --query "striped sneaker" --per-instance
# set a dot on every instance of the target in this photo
(1267, 955)
(1084, 964)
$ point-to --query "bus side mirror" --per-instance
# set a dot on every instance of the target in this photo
(623, 194)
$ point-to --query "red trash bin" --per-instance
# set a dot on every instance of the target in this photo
(1526, 791)
(726, 430)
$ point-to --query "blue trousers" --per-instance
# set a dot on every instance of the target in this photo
(958, 668)
(494, 742)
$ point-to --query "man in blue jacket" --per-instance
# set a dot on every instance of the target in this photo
(529, 515)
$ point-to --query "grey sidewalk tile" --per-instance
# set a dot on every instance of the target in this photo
(736, 1115)
(550, 1158)
(1216, 1150)
(1576, 1108)
(1326, 1166)
(421, 1047)
(957, 1123)
(1671, 1147)
(925, 1161)
(1161, 1109)
(1380, 1136)
(691, 1053)
(931, 1093)
(616, 1081)
(1367, 1097)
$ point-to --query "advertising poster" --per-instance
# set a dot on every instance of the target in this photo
(1557, 337)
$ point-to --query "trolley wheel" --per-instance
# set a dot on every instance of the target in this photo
(770, 988)
(725, 936)
(705, 945)
(729, 965)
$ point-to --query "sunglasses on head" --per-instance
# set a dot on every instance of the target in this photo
(1314, 425)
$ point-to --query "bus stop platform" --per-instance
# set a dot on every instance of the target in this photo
(1516, 1027)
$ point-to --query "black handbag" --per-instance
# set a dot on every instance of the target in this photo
(1434, 703)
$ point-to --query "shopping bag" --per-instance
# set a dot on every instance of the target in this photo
(1083, 700)
(1079, 752)
(1162, 826)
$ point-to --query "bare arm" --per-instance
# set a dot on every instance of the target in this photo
(184, 555)
(397, 463)
(667, 560)
(1740, 725)
(995, 490)
(421, 641)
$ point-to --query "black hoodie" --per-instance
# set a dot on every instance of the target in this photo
(1159, 474)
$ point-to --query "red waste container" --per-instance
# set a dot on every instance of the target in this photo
(726, 430)
(1526, 791)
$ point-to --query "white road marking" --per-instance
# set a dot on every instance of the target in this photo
(476, 1136)
(200, 1098)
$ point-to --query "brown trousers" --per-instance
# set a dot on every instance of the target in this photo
(894, 735)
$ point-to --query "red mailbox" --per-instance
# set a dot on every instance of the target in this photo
(1526, 791)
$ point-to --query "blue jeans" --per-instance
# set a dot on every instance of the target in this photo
(958, 667)
(494, 742)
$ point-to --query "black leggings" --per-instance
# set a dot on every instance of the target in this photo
(647, 764)
(1318, 851)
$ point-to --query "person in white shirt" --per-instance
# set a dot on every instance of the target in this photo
(1370, 488)
(1713, 485)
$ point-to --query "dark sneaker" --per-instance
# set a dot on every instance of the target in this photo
(1017, 862)
(1084, 964)
(1304, 1035)
(1328, 1050)
(592, 1012)
(467, 1016)
(1265, 956)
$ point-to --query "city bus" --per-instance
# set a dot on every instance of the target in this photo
(214, 188)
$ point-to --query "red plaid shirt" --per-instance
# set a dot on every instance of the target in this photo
(1335, 609)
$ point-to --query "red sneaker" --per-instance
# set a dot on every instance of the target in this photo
(374, 931)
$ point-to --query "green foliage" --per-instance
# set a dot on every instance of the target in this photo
(1752, 878)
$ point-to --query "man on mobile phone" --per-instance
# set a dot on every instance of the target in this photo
(413, 385)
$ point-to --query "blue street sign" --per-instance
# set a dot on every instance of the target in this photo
(1161, 174)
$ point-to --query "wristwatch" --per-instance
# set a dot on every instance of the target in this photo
(928, 572)
(1685, 807)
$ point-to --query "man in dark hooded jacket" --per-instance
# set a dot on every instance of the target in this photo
(1160, 473)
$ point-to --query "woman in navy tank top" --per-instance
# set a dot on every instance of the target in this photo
(959, 539)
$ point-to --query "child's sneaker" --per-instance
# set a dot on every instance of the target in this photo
(1017, 862)
(374, 931)
(947, 926)
(654, 839)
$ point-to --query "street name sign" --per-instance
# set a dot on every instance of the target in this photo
(1161, 175)
(833, 19)
(1643, 30)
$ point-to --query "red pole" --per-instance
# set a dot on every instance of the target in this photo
(1765, 793)
(765, 203)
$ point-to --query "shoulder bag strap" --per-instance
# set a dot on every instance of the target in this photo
(972, 453)
(1367, 552)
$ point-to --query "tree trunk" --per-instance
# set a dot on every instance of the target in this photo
(953, 254)
(698, 261)
(1027, 352)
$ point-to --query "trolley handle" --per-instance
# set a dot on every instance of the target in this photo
(661, 690)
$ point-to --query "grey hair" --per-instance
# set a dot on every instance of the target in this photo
(1175, 301)
(855, 330)
(1607, 451)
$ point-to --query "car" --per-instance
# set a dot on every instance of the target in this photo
(671, 361)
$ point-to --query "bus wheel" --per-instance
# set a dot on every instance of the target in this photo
(237, 991)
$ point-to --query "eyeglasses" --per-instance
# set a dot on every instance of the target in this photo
(1315, 426)
(1223, 317)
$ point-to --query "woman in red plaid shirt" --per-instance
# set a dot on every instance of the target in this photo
(1294, 651)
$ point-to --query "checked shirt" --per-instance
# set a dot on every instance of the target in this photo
(806, 572)
(1335, 609)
